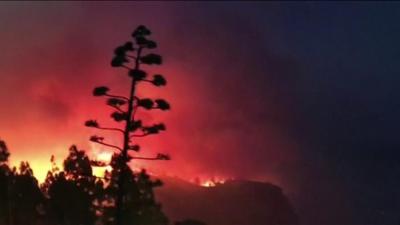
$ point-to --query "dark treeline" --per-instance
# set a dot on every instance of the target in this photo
(73, 195)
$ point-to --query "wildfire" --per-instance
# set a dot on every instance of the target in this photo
(211, 182)
(104, 156)
(208, 183)
(101, 156)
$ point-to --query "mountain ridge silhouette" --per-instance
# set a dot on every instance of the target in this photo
(235, 202)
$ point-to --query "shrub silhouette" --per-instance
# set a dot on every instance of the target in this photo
(129, 197)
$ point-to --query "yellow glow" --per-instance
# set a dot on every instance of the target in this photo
(101, 156)
(104, 156)
(212, 182)
(208, 183)
(99, 171)
(40, 169)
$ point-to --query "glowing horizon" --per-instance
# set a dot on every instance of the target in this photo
(207, 133)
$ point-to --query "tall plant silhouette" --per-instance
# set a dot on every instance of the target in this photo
(131, 56)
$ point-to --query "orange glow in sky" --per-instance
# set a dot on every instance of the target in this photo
(215, 126)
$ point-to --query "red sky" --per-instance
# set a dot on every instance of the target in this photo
(222, 122)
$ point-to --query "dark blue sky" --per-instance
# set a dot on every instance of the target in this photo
(351, 55)
(346, 101)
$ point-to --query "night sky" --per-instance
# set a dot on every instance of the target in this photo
(302, 95)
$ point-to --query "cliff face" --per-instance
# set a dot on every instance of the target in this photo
(231, 203)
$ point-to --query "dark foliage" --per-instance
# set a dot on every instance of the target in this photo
(115, 102)
(119, 116)
(128, 196)
(140, 206)
(159, 80)
(5, 181)
(146, 103)
(4, 154)
(21, 201)
(151, 59)
(100, 91)
(70, 194)
(134, 125)
(154, 129)
(91, 123)
(162, 104)
(137, 74)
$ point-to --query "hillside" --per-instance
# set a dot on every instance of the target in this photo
(231, 203)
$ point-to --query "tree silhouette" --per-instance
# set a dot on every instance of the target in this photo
(133, 191)
(140, 206)
(21, 200)
(5, 175)
(71, 193)
(4, 153)
(25, 196)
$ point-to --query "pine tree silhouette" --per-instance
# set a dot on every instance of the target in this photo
(25, 196)
(5, 176)
(20, 195)
(131, 193)
(71, 193)
(140, 206)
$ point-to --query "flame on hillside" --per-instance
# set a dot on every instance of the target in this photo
(209, 182)
(101, 157)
